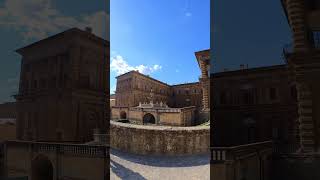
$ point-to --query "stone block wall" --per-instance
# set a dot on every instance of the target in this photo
(159, 140)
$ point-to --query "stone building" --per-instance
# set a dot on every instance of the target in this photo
(112, 100)
(303, 56)
(297, 116)
(189, 102)
(257, 104)
(62, 90)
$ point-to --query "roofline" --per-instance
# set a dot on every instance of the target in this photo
(149, 77)
(202, 51)
(250, 70)
(103, 41)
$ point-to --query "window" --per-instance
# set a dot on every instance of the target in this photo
(273, 93)
(245, 97)
(187, 92)
(316, 39)
(84, 81)
(43, 83)
(294, 92)
(27, 85)
(52, 83)
(223, 98)
(35, 83)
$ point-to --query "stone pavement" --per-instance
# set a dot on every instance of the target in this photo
(137, 167)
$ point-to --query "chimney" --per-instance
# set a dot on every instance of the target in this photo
(89, 29)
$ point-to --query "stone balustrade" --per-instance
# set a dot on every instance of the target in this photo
(63, 148)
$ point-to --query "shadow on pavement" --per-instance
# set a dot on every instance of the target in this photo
(163, 161)
(123, 172)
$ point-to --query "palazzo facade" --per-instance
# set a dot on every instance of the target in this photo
(62, 89)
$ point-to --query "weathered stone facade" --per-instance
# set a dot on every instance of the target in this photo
(134, 88)
(62, 90)
(257, 104)
(162, 116)
(304, 59)
(159, 140)
(44, 161)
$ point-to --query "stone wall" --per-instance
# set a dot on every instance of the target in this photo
(68, 161)
(172, 116)
(159, 140)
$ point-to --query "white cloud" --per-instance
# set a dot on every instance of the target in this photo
(35, 19)
(120, 66)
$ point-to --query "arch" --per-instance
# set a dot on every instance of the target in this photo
(123, 115)
(149, 119)
(42, 168)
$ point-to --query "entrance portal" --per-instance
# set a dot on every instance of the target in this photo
(149, 119)
(123, 115)
(42, 168)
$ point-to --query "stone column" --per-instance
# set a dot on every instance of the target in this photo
(204, 80)
(297, 20)
(306, 128)
(301, 62)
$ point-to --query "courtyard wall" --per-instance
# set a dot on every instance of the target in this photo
(159, 140)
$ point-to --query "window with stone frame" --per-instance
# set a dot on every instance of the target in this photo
(294, 94)
(316, 39)
(273, 93)
(52, 82)
(223, 98)
(84, 80)
(42, 83)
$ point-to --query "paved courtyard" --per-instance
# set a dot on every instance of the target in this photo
(137, 167)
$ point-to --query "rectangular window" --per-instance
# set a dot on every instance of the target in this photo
(223, 98)
(316, 39)
(273, 93)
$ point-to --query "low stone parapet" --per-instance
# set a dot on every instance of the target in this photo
(159, 140)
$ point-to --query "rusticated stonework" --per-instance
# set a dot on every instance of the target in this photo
(63, 84)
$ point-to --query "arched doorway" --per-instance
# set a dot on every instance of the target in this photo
(123, 115)
(149, 119)
(42, 168)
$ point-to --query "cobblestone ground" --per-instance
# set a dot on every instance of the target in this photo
(138, 167)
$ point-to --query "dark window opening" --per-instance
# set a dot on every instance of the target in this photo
(223, 98)
(316, 39)
(294, 94)
(273, 93)
(84, 81)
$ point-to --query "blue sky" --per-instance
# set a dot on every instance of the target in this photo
(25, 21)
(248, 32)
(158, 38)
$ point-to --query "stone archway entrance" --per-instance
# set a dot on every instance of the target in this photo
(42, 168)
(149, 119)
(123, 115)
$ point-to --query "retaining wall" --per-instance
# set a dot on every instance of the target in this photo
(159, 140)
